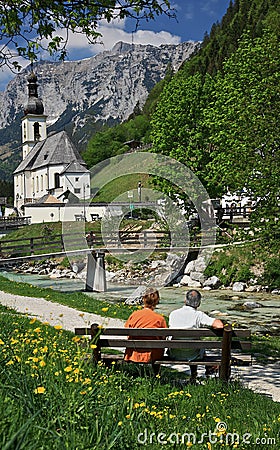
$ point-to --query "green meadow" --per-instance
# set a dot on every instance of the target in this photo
(52, 396)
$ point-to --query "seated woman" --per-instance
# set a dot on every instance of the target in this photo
(146, 318)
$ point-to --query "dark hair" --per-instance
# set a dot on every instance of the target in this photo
(151, 297)
(193, 298)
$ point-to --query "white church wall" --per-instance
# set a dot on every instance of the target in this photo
(59, 212)
(78, 183)
(38, 183)
(52, 171)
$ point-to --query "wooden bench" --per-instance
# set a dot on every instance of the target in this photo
(227, 344)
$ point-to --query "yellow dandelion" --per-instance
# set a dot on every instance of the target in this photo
(93, 346)
(104, 309)
(128, 416)
(40, 390)
(57, 327)
(120, 423)
(68, 369)
(9, 363)
(42, 363)
(37, 330)
(1, 342)
(32, 321)
(83, 392)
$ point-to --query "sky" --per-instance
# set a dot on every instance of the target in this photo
(194, 18)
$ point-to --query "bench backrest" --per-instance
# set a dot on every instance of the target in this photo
(181, 338)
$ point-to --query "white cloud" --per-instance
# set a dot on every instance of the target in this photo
(79, 48)
(111, 34)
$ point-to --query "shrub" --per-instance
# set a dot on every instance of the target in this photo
(271, 275)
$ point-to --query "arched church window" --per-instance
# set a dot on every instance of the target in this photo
(56, 180)
(36, 131)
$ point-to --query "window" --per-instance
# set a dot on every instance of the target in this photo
(77, 190)
(36, 131)
(56, 180)
(77, 179)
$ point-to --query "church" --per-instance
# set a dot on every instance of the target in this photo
(51, 170)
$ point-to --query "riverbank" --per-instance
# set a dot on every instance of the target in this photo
(260, 378)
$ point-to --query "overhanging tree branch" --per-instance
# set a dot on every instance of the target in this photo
(26, 25)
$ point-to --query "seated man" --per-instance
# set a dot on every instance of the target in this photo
(188, 317)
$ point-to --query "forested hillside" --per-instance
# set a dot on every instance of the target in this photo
(220, 113)
(241, 16)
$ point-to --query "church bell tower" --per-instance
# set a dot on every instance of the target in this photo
(34, 127)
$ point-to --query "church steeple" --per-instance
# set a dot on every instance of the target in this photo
(35, 104)
(34, 127)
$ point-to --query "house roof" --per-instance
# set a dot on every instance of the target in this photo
(48, 198)
(56, 149)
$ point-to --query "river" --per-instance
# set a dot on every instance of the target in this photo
(218, 303)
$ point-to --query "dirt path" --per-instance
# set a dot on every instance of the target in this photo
(260, 378)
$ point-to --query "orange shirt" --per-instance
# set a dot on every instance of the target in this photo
(144, 318)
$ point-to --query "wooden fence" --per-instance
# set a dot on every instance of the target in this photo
(74, 241)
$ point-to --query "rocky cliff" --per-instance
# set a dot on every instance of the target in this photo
(80, 96)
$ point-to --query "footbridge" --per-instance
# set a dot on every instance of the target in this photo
(93, 252)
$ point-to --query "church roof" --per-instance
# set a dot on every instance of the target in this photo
(56, 149)
(74, 167)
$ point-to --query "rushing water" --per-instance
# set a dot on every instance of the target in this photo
(218, 303)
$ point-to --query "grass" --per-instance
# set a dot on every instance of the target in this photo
(120, 185)
(53, 397)
(266, 347)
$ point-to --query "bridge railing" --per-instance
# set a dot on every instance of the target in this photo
(56, 243)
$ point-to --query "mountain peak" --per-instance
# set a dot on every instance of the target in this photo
(81, 96)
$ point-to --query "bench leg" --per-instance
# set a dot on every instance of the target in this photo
(156, 368)
(193, 374)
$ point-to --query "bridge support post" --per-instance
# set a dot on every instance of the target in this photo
(91, 266)
(96, 275)
(100, 284)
